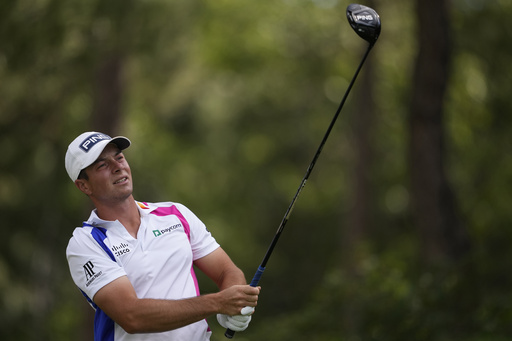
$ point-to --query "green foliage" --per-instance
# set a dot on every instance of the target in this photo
(225, 104)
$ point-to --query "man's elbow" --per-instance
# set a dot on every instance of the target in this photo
(131, 323)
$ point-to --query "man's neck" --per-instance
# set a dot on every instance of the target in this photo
(125, 211)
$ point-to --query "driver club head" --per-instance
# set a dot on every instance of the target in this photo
(365, 21)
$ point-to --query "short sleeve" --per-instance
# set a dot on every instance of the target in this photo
(201, 240)
(90, 266)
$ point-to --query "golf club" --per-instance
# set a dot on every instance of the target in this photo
(366, 22)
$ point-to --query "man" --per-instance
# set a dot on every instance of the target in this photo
(133, 261)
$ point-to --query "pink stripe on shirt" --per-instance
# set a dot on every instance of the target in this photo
(164, 211)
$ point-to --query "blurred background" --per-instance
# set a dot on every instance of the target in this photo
(403, 230)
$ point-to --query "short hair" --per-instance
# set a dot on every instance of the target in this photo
(83, 175)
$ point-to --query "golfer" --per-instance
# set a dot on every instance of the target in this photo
(133, 260)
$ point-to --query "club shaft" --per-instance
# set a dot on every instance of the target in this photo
(257, 276)
(312, 164)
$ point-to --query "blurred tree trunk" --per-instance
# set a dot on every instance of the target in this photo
(443, 236)
(358, 219)
(109, 89)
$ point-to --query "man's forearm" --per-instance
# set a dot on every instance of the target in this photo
(233, 276)
(220, 269)
(153, 315)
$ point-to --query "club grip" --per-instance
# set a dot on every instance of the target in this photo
(257, 276)
(255, 280)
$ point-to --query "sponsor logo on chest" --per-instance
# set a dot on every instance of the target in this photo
(120, 249)
(158, 233)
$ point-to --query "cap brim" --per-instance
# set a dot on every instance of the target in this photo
(121, 141)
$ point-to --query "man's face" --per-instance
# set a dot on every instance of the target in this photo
(110, 177)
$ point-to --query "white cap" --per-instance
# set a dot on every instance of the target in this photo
(86, 149)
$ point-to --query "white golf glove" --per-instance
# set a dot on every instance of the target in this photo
(236, 323)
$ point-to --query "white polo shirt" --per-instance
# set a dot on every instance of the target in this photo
(158, 263)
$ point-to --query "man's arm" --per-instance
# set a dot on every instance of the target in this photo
(120, 302)
(220, 269)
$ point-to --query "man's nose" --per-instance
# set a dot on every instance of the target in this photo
(116, 166)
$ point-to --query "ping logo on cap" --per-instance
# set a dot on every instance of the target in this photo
(91, 140)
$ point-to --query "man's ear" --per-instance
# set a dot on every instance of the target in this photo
(83, 185)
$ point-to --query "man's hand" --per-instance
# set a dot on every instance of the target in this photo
(236, 323)
(233, 299)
